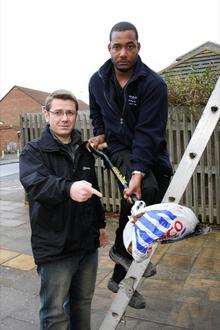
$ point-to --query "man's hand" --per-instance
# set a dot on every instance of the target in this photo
(134, 187)
(103, 237)
(81, 191)
(97, 142)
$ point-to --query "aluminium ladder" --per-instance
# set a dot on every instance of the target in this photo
(180, 180)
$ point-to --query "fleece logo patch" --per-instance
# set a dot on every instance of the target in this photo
(132, 100)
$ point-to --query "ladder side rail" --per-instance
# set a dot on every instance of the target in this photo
(195, 148)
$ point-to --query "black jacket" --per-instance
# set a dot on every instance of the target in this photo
(140, 126)
(60, 226)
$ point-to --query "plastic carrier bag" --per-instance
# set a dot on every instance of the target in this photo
(165, 221)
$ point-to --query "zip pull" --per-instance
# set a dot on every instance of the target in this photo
(121, 121)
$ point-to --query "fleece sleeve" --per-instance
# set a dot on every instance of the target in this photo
(149, 137)
(95, 114)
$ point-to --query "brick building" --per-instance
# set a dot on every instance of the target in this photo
(19, 100)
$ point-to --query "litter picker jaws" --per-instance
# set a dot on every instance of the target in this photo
(180, 180)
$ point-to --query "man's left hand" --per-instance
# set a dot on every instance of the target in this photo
(134, 187)
(81, 191)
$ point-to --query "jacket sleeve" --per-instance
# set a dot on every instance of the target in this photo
(38, 181)
(95, 113)
(149, 136)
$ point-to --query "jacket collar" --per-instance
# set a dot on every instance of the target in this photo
(50, 144)
(140, 69)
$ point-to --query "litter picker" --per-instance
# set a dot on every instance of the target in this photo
(108, 164)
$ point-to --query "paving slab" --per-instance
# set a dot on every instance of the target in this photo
(22, 262)
(6, 255)
(185, 293)
(10, 323)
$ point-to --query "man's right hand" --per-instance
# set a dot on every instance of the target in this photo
(98, 142)
(81, 191)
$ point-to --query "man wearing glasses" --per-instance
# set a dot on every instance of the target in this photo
(66, 215)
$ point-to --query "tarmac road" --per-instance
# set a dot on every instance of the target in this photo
(9, 169)
(10, 186)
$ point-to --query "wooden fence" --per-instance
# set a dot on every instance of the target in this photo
(203, 191)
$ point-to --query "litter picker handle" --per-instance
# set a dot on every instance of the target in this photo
(120, 178)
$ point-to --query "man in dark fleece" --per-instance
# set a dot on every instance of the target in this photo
(66, 215)
(128, 107)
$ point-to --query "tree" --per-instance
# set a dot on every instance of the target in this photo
(192, 90)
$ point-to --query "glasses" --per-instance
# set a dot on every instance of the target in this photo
(61, 113)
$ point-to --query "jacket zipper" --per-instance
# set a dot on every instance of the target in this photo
(109, 104)
(124, 106)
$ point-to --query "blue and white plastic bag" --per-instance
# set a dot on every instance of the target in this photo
(165, 221)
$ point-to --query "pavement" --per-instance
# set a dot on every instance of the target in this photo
(185, 293)
(9, 160)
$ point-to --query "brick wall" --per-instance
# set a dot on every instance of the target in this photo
(9, 139)
(14, 103)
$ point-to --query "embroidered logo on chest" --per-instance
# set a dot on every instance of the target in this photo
(86, 168)
(132, 100)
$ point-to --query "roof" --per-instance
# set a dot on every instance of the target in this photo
(37, 95)
(201, 57)
(211, 46)
(82, 105)
(40, 96)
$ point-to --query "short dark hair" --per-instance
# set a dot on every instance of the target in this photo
(123, 26)
(61, 94)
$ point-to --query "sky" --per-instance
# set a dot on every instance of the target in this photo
(53, 44)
